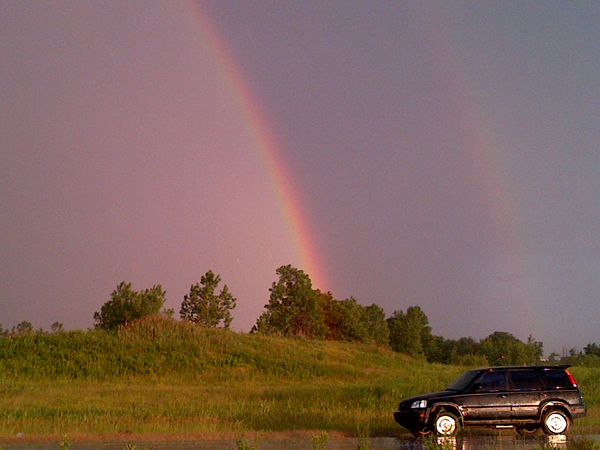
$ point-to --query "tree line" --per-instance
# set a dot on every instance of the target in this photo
(296, 309)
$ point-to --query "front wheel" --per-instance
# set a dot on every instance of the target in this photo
(419, 433)
(446, 424)
(555, 422)
(526, 430)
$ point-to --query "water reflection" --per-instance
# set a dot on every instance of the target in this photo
(495, 442)
(558, 442)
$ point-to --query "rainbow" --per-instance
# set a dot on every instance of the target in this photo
(289, 199)
(489, 167)
(483, 153)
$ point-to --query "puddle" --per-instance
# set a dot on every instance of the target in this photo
(402, 443)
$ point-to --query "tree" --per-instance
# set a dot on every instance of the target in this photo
(344, 320)
(203, 306)
(461, 352)
(293, 307)
(502, 348)
(591, 349)
(534, 351)
(347, 320)
(57, 327)
(24, 327)
(410, 332)
(377, 328)
(127, 305)
(554, 358)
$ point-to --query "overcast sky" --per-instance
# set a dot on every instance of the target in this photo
(431, 153)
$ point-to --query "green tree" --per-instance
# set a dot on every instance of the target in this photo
(126, 305)
(502, 348)
(377, 328)
(554, 358)
(461, 352)
(203, 306)
(592, 349)
(410, 332)
(499, 348)
(294, 308)
(23, 327)
(347, 320)
(534, 351)
(344, 320)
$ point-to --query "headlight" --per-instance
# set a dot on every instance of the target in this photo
(419, 404)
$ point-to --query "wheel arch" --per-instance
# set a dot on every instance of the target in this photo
(554, 405)
(450, 407)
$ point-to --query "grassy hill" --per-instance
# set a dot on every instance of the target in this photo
(160, 376)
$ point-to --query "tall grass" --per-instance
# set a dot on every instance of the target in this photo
(163, 376)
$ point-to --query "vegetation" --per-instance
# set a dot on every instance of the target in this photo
(410, 333)
(203, 306)
(294, 308)
(157, 375)
(310, 363)
(126, 305)
(588, 357)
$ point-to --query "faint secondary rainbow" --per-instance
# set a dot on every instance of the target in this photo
(289, 199)
(489, 168)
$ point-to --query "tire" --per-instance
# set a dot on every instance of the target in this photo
(420, 433)
(526, 430)
(446, 424)
(555, 422)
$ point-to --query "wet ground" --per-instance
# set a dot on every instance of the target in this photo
(403, 443)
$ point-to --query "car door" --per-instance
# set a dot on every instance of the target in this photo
(527, 393)
(489, 398)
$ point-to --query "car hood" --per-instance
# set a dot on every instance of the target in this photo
(429, 396)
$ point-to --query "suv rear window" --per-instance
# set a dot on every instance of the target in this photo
(557, 379)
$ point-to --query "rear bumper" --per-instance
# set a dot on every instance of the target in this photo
(578, 411)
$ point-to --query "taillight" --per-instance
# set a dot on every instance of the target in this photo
(571, 378)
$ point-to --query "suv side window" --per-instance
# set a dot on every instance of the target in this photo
(525, 380)
(492, 381)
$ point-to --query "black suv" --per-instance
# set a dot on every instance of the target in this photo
(526, 398)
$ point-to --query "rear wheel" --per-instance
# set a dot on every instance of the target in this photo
(446, 424)
(555, 422)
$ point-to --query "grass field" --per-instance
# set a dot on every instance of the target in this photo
(161, 377)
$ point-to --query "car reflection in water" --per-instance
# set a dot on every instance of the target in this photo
(464, 442)
(558, 442)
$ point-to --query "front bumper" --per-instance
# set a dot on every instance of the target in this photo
(413, 419)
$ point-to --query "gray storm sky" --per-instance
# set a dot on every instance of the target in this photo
(445, 155)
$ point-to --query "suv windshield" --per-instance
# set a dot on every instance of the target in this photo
(463, 381)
